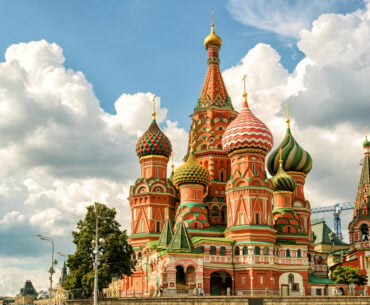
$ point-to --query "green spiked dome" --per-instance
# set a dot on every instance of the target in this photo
(295, 158)
(366, 142)
(282, 181)
(153, 142)
(191, 172)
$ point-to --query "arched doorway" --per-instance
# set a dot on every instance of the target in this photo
(190, 277)
(180, 278)
(220, 281)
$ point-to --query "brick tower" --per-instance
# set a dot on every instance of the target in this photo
(212, 114)
(153, 196)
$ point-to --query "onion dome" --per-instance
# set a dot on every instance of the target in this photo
(295, 158)
(366, 143)
(153, 142)
(247, 131)
(212, 38)
(191, 172)
(282, 181)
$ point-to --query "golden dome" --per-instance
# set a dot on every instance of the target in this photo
(212, 38)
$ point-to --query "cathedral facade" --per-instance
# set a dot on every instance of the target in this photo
(218, 225)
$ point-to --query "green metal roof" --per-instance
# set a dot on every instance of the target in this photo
(312, 279)
(166, 235)
(181, 241)
(322, 231)
(198, 239)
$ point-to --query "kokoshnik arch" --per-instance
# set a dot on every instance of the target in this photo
(217, 224)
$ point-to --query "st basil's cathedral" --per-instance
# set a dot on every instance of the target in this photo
(217, 225)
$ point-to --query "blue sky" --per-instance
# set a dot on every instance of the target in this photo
(63, 144)
(132, 46)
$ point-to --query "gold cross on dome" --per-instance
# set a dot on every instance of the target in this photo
(154, 113)
(245, 89)
(287, 114)
(365, 131)
(212, 15)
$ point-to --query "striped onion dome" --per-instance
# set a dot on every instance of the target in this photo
(153, 142)
(247, 131)
(191, 172)
(295, 158)
(282, 181)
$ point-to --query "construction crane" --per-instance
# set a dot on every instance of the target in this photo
(337, 210)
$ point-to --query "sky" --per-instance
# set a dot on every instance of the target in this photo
(77, 79)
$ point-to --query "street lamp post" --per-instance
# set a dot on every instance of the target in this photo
(97, 243)
(53, 262)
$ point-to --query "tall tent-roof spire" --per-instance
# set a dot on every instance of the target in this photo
(214, 92)
(166, 234)
(181, 241)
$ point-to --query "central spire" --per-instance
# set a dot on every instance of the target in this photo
(214, 92)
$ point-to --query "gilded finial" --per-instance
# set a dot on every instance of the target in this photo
(245, 94)
(280, 158)
(212, 38)
(365, 132)
(154, 114)
(287, 114)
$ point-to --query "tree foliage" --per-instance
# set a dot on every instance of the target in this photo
(117, 253)
(348, 275)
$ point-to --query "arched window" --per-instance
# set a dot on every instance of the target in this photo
(364, 232)
(222, 175)
(223, 251)
(223, 213)
(215, 210)
(245, 250)
(237, 251)
(212, 250)
(299, 253)
(139, 255)
(158, 226)
(199, 249)
(257, 219)
(266, 251)
(257, 250)
(319, 260)
(290, 278)
(287, 253)
(309, 257)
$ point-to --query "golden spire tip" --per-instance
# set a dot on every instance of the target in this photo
(280, 158)
(287, 114)
(154, 114)
(245, 94)
(365, 131)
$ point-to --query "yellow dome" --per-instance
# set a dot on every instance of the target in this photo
(212, 38)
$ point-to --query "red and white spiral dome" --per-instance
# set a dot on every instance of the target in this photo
(247, 131)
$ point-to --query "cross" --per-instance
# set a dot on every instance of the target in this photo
(154, 113)
(245, 90)
(365, 131)
(212, 15)
(280, 159)
(287, 114)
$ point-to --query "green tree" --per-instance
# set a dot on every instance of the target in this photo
(117, 253)
(348, 275)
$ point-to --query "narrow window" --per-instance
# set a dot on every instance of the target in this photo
(299, 253)
(287, 253)
(158, 228)
(257, 219)
(212, 250)
(223, 251)
(237, 251)
(245, 250)
(257, 250)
